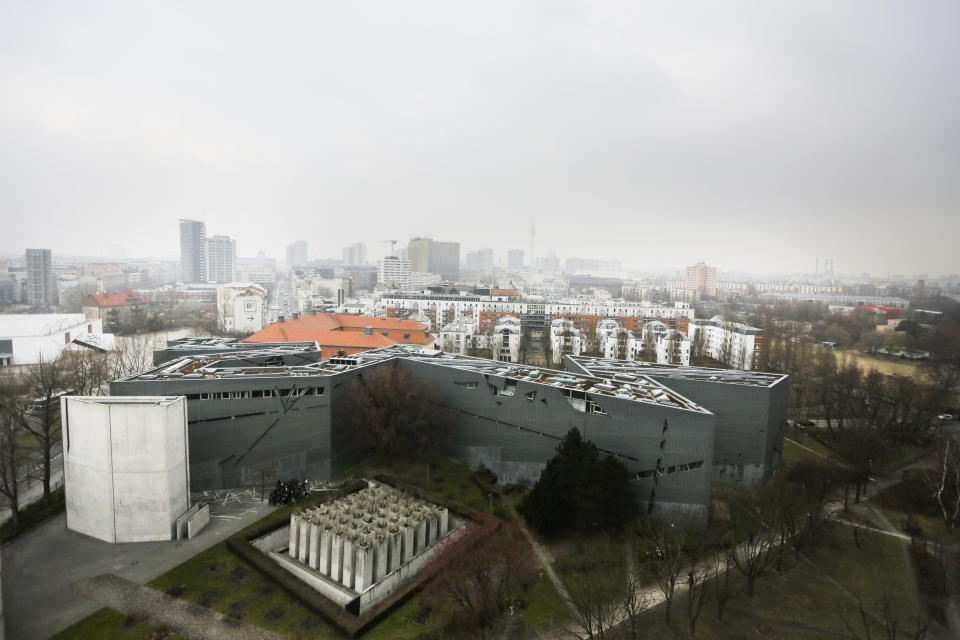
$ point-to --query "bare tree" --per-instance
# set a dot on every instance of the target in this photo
(597, 594)
(478, 571)
(10, 450)
(891, 621)
(132, 355)
(39, 411)
(725, 585)
(943, 480)
(387, 413)
(86, 371)
(696, 594)
(753, 554)
(666, 560)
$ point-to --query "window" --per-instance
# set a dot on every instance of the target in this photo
(467, 385)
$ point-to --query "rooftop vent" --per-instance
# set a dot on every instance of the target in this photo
(368, 331)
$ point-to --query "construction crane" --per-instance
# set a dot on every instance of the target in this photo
(393, 244)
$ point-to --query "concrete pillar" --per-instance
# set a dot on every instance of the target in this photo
(294, 535)
(407, 551)
(348, 556)
(381, 552)
(364, 566)
(324, 564)
(396, 545)
(303, 547)
(314, 545)
(444, 521)
(432, 521)
(421, 536)
(336, 556)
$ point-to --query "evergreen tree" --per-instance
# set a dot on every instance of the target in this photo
(580, 489)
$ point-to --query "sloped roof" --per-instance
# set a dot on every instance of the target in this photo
(113, 299)
(344, 330)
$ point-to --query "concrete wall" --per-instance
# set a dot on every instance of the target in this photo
(515, 435)
(125, 466)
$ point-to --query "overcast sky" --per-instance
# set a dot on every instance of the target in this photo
(753, 135)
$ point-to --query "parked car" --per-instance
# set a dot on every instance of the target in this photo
(945, 417)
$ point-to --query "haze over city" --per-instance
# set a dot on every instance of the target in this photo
(479, 320)
(757, 137)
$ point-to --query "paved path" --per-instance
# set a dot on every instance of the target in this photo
(40, 566)
(162, 610)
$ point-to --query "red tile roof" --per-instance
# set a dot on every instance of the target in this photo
(345, 330)
(113, 299)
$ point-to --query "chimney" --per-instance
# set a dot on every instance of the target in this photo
(280, 318)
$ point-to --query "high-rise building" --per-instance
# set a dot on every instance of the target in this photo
(41, 288)
(297, 254)
(193, 251)
(480, 260)
(418, 253)
(394, 272)
(221, 259)
(702, 279)
(515, 259)
(445, 260)
(427, 255)
(355, 254)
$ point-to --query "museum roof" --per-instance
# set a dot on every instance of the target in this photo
(271, 362)
(622, 369)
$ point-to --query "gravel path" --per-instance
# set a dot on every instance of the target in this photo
(162, 610)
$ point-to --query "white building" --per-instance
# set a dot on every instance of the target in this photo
(222, 259)
(457, 337)
(125, 466)
(506, 339)
(241, 307)
(733, 344)
(28, 338)
(672, 348)
(565, 339)
(616, 341)
(394, 272)
(420, 280)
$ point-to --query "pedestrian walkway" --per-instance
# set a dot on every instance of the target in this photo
(165, 611)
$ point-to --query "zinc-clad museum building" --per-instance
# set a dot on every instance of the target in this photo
(261, 412)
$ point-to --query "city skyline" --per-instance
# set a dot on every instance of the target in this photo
(752, 137)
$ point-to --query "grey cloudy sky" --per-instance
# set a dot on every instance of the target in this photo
(753, 135)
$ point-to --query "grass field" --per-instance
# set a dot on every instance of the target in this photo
(886, 364)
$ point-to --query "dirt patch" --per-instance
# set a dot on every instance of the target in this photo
(211, 569)
(239, 609)
(207, 598)
(275, 614)
(266, 590)
(158, 634)
(176, 591)
(238, 575)
(131, 621)
(309, 624)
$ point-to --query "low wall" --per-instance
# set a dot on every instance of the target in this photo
(198, 521)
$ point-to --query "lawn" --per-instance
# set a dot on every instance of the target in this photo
(887, 365)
